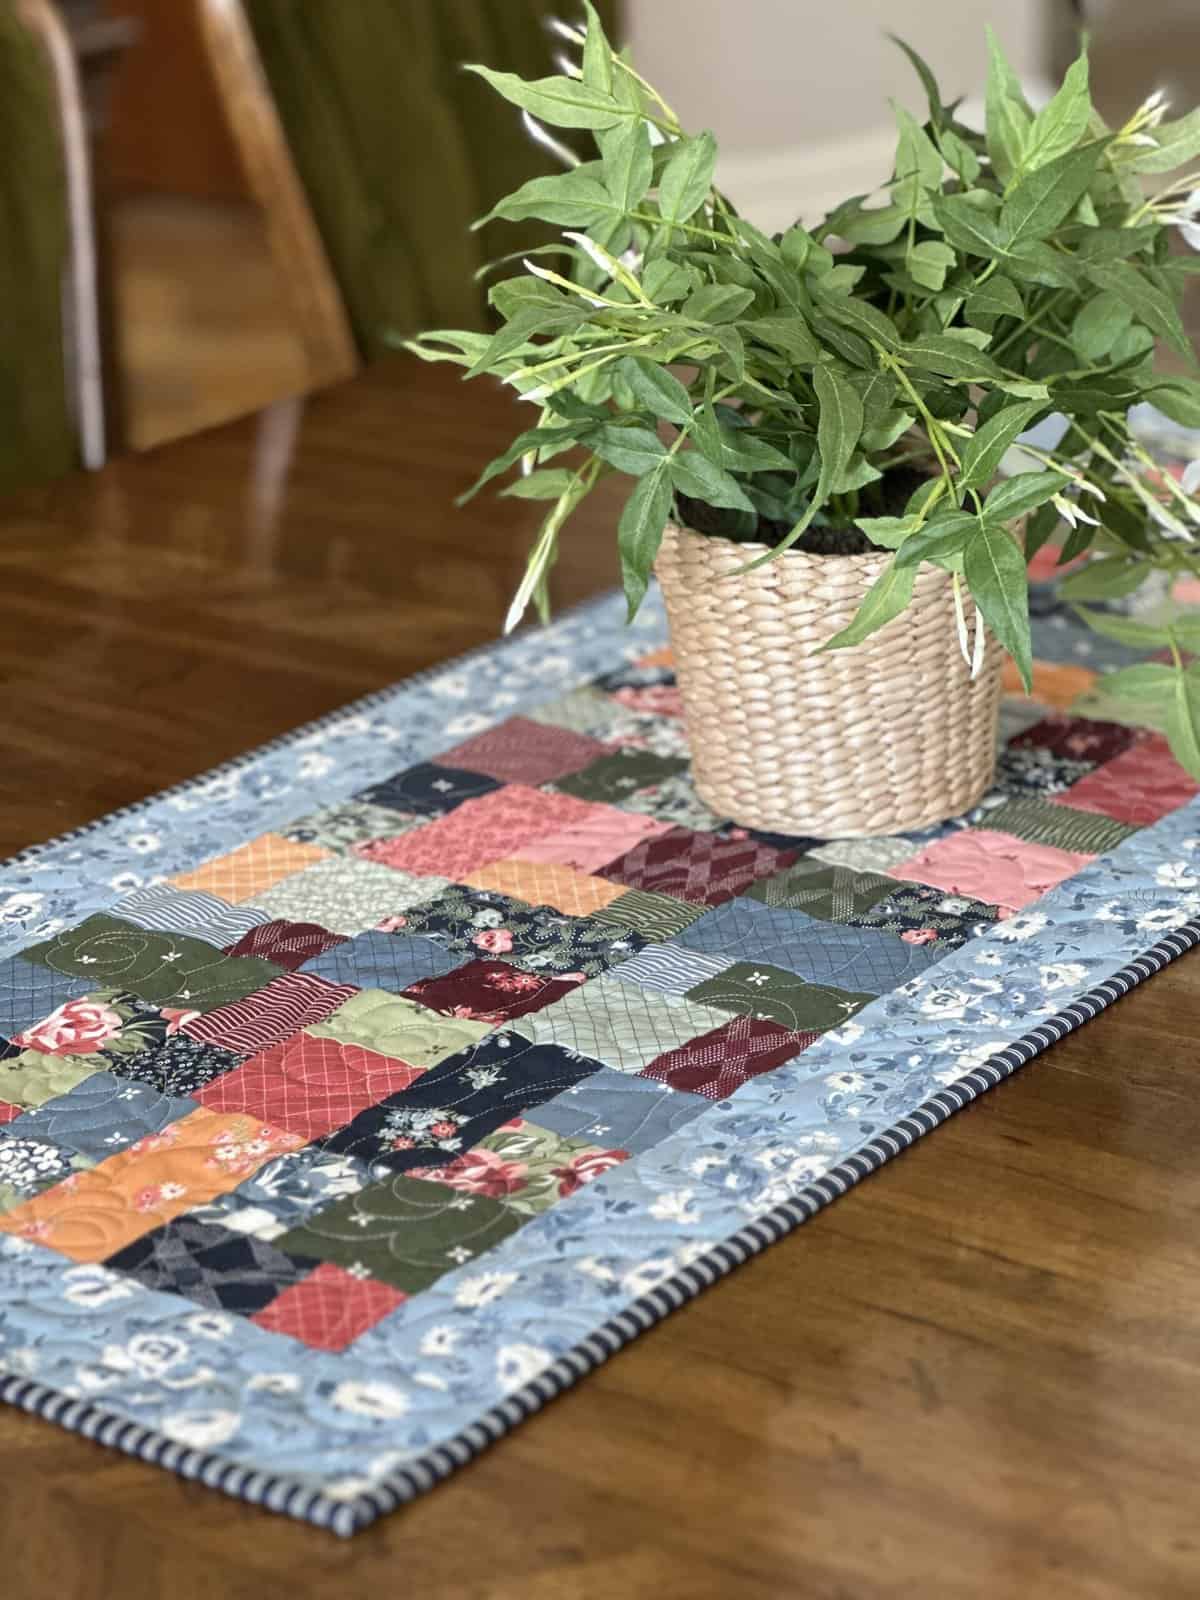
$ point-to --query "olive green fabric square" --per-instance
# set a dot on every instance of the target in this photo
(656, 917)
(754, 989)
(406, 1231)
(612, 779)
(822, 889)
(34, 1076)
(398, 1027)
(168, 969)
(1039, 821)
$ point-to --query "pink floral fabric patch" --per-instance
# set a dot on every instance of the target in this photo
(993, 867)
(589, 843)
(478, 832)
(1138, 787)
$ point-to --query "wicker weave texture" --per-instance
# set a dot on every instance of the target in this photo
(887, 737)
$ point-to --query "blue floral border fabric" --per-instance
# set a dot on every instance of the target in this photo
(645, 1047)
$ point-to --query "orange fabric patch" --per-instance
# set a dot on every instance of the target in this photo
(91, 1214)
(252, 868)
(664, 657)
(1053, 684)
(543, 883)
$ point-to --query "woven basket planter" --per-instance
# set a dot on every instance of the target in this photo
(889, 736)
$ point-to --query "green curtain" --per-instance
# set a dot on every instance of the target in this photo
(37, 438)
(400, 150)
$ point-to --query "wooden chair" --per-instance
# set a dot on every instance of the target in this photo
(295, 241)
(51, 395)
(371, 152)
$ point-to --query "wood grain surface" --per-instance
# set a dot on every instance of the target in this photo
(976, 1376)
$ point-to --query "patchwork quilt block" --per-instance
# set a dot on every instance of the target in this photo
(344, 1118)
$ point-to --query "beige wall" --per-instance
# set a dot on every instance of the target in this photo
(769, 73)
(797, 90)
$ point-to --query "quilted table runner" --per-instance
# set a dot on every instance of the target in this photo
(357, 1098)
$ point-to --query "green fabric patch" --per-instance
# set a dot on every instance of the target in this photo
(655, 916)
(822, 889)
(617, 777)
(754, 989)
(398, 1028)
(33, 1077)
(168, 969)
(340, 827)
(406, 1231)
(535, 1167)
(1042, 822)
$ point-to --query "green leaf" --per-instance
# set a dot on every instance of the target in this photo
(928, 262)
(839, 427)
(640, 531)
(1125, 630)
(949, 358)
(1104, 578)
(530, 320)
(717, 302)
(1098, 325)
(862, 319)
(547, 484)
(960, 158)
(656, 390)
(1007, 113)
(1179, 399)
(572, 199)
(969, 227)
(1183, 721)
(1177, 143)
(525, 443)
(563, 102)
(1045, 198)
(597, 53)
(859, 224)
(937, 112)
(889, 533)
(985, 449)
(1150, 306)
(885, 599)
(1149, 680)
(694, 474)
(687, 178)
(743, 452)
(665, 281)
(630, 449)
(1059, 126)
(918, 165)
(998, 297)
(628, 164)
(1021, 493)
(944, 535)
(789, 335)
(995, 572)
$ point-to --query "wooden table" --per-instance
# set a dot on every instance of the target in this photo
(977, 1375)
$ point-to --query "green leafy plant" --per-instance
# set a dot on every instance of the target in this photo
(859, 384)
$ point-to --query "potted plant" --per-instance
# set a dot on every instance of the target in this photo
(814, 424)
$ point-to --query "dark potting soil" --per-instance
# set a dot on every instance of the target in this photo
(892, 494)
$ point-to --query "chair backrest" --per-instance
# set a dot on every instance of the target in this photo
(51, 411)
(397, 149)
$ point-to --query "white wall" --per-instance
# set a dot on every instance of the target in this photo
(797, 90)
